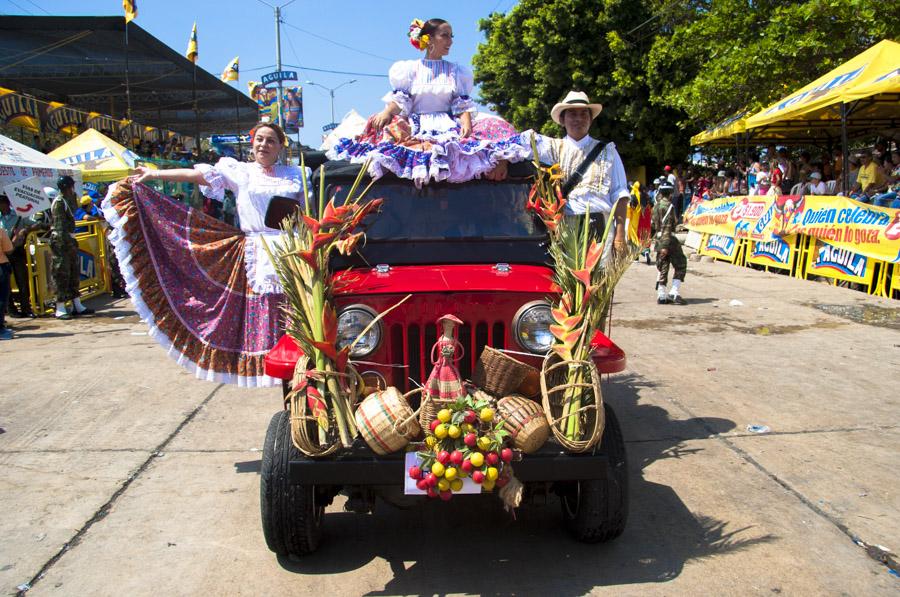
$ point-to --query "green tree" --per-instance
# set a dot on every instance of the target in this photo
(540, 50)
(711, 59)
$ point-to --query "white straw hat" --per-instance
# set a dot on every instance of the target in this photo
(574, 99)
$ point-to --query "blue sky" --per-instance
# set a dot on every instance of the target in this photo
(375, 33)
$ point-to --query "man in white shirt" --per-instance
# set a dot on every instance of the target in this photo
(816, 186)
(603, 189)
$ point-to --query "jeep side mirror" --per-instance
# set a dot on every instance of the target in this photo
(280, 208)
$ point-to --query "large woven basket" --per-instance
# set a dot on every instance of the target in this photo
(386, 421)
(525, 421)
(555, 386)
(499, 374)
(306, 433)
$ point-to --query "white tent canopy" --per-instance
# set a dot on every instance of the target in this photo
(18, 162)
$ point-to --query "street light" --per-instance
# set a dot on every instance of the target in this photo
(331, 92)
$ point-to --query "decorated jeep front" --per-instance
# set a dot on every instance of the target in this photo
(470, 252)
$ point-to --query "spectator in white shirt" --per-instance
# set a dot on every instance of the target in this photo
(816, 186)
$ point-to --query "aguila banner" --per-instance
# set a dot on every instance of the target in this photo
(841, 222)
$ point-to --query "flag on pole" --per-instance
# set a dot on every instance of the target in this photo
(192, 46)
(130, 7)
(231, 71)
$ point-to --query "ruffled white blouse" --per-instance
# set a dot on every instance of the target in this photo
(428, 86)
(253, 187)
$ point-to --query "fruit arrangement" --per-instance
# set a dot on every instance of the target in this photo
(464, 441)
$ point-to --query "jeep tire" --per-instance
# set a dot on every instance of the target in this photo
(595, 510)
(291, 514)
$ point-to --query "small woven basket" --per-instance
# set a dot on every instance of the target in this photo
(386, 420)
(499, 374)
(525, 421)
(306, 433)
(430, 407)
(556, 384)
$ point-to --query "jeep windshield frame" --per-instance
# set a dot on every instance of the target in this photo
(475, 222)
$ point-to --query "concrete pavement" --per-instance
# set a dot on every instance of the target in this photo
(121, 474)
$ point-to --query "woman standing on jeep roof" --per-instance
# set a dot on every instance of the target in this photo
(208, 290)
(429, 128)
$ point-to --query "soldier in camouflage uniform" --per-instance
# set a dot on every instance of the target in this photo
(64, 264)
(668, 249)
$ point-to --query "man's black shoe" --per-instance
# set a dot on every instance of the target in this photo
(64, 317)
(676, 299)
(86, 311)
(661, 300)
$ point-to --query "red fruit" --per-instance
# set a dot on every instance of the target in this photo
(422, 485)
(446, 495)
(502, 481)
(478, 477)
(415, 472)
(456, 457)
(431, 479)
(470, 439)
(467, 465)
(492, 458)
(434, 424)
(443, 457)
(432, 493)
(506, 455)
(470, 416)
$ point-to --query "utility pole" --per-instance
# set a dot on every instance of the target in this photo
(278, 62)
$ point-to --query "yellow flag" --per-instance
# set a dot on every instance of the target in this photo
(192, 46)
(130, 7)
(231, 71)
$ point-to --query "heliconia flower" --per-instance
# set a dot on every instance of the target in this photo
(583, 276)
(564, 352)
(317, 406)
(334, 216)
(594, 252)
(559, 194)
(343, 355)
(566, 336)
(364, 210)
(347, 244)
(329, 325)
(327, 349)
(312, 224)
(566, 301)
(551, 225)
(321, 239)
(309, 257)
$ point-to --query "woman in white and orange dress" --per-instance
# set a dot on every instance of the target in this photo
(208, 291)
(430, 129)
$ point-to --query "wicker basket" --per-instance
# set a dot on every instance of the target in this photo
(386, 421)
(554, 386)
(430, 407)
(499, 374)
(305, 430)
(525, 421)
(531, 385)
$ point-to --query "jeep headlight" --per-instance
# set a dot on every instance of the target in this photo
(532, 327)
(350, 324)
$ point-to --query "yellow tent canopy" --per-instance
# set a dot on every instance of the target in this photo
(870, 78)
(98, 157)
(723, 132)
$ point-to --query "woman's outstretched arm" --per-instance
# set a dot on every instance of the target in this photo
(191, 175)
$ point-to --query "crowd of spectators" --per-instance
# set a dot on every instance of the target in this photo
(873, 176)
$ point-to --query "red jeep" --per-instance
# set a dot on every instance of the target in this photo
(471, 250)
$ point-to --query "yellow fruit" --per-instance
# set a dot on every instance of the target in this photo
(487, 415)
(454, 431)
(443, 485)
(431, 441)
(450, 473)
(444, 415)
(438, 469)
(487, 485)
(455, 484)
(440, 431)
(484, 443)
(492, 473)
(477, 459)
(468, 427)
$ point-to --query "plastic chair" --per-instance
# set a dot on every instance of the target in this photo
(830, 186)
(797, 189)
